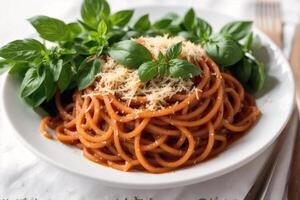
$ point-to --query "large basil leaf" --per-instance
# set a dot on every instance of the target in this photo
(121, 18)
(50, 29)
(223, 50)
(162, 24)
(31, 82)
(257, 78)
(237, 29)
(92, 11)
(22, 50)
(130, 54)
(183, 69)
(87, 72)
(242, 70)
(142, 24)
(148, 71)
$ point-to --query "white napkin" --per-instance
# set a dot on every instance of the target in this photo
(22, 175)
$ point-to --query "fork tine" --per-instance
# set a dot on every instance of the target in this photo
(268, 19)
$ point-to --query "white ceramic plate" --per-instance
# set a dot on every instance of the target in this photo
(276, 106)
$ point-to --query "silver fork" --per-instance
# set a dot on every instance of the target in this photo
(268, 18)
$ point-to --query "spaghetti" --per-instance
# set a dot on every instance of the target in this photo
(193, 127)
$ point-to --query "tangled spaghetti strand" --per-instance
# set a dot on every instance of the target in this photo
(193, 128)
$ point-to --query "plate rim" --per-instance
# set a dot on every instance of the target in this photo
(166, 184)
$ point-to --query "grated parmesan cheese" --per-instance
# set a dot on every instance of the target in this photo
(125, 83)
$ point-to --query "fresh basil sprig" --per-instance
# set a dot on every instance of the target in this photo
(169, 64)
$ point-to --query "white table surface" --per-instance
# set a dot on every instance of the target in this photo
(23, 175)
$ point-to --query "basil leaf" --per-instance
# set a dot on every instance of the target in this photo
(74, 28)
(22, 50)
(242, 70)
(31, 82)
(174, 51)
(247, 41)
(257, 78)
(130, 54)
(202, 29)
(237, 29)
(87, 72)
(19, 69)
(49, 84)
(189, 19)
(36, 98)
(65, 77)
(86, 26)
(147, 71)
(162, 69)
(183, 69)
(50, 29)
(55, 68)
(161, 24)
(4, 66)
(223, 50)
(121, 18)
(102, 28)
(142, 24)
(92, 11)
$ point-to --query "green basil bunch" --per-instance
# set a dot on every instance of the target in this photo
(73, 60)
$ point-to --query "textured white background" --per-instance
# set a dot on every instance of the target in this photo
(22, 175)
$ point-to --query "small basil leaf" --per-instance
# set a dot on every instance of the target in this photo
(50, 28)
(174, 51)
(183, 69)
(31, 82)
(162, 69)
(74, 28)
(55, 68)
(19, 69)
(4, 66)
(22, 50)
(92, 11)
(237, 29)
(247, 41)
(87, 73)
(129, 53)
(162, 24)
(65, 77)
(86, 26)
(242, 70)
(121, 18)
(49, 84)
(142, 24)
(189, 19)
(202, 29)
(161, 57)
(257, 78)
(147, 71)
(223, 50)
(36, 98)
(102, 28)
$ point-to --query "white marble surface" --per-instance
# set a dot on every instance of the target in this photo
(22, 175)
